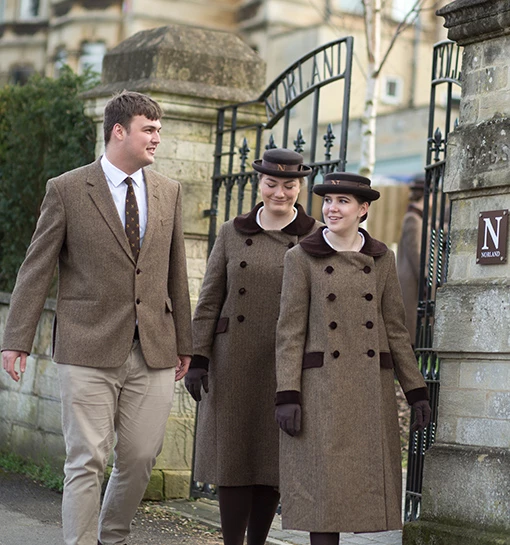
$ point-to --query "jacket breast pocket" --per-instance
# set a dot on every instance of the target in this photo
(222, 325)
(313, 359)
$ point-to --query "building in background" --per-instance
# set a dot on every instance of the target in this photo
(43, 35)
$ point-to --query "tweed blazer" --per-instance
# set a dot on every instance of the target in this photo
(340, 339)
(102, 292)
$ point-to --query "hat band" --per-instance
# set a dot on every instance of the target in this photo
(281, 166)
(347, 183)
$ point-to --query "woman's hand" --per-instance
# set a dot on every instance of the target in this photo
(422, 415)
(194, 380)
(288, 417)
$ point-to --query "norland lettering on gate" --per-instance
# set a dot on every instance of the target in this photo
(492, 237)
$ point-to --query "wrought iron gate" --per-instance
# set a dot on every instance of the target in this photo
(291, 113)
(435, 248)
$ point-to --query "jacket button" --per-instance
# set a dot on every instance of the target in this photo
(370, 353)
(366, 269)
(243, 264)
(138, 271)
(138, 301)
(242, 291)
(333, 325)
(329, 269)
(369, 297)
(335, 354)
(369, 325)
(240, 318)
(290, 245)
(249, 242)
(331, 297)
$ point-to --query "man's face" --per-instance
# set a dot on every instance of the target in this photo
(140, 141)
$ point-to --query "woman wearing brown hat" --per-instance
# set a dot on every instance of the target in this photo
(341, 337)
(234, 329)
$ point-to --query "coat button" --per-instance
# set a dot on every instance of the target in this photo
(370, 353)
(369, 297)
(242, 291)
(240, 318)
(369, 325)
(329, 269)
(138, 271)
(331, 297)
(333, 325)
(366, 269)
(290, 245)
(243, 264)
(335, 354)
(249, 242)
(138, 301)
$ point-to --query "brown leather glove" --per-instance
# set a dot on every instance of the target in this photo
(288, 417)
(421, 415)
(194, 380)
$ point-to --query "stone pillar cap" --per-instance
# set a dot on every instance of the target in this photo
(183, 60)
(470, 21)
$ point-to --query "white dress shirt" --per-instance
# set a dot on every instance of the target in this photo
(325, 231)
(115, 178)
(257, 218)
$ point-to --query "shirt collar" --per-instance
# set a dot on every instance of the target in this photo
(325, 231)
(117, 176)
(316, 246)
(259, 212)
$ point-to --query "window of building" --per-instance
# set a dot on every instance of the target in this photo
(19, 75)
(60, 61)
(91, 56)
(349, 6)
(2, 10)
(29, 9)
(391, 90)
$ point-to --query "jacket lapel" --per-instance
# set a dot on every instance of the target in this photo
(153, 211)
(102, 198)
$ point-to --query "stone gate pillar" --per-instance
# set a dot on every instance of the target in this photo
(466, 487)
(190, 71)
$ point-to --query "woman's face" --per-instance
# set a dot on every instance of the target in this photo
(279, 194)
(342, 212)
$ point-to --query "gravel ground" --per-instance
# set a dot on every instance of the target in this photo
(154, 524)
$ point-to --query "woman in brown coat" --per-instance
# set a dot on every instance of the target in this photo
(234, 330)
(341, 337)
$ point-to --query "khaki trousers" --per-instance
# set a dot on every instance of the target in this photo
(131, 403)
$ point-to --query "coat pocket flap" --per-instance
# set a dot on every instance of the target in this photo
(313, 359)
(168, 303)
(222, 325)
(385, 360)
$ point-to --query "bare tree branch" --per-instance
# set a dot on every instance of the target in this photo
(403, 25)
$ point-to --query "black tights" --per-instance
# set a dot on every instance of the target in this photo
(251, 507)
(322, 538)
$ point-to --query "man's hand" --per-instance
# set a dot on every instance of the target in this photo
(182, 367)
(9, 358)
(422, 415)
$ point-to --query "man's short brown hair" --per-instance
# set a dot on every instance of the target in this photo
(122, 107)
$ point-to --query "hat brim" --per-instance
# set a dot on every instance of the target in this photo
(305, 170)
(365, 192)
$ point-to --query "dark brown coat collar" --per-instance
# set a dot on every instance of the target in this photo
(316, 246)
(247, 223)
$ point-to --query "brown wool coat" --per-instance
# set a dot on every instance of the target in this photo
(234, 326)
(408, 264)
(102, 292)
(340, 338)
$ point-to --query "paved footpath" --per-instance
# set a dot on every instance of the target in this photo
(30, 515)
(207, 512)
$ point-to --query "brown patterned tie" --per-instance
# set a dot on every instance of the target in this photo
(132, 221)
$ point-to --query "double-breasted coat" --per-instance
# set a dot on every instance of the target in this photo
(340, 339)
(234, 329)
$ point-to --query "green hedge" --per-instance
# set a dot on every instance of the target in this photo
(43, 133)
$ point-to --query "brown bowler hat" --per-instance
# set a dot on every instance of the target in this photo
(348, 183)
(282, 163)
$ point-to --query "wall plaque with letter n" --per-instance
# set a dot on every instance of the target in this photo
(492, 247)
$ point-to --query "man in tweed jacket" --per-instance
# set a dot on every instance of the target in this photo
(122, 332)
